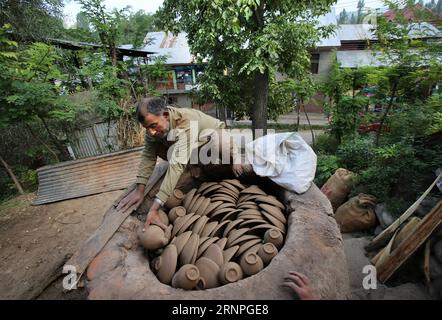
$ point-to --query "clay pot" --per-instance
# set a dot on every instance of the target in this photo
(188, 252)
(230, 272)
(176, 212)
(274, 236)
(270, 200)
(174, 199)
(251, 263)
(267, 252)
(253, 190)
(154, 237)
(204, 245)
(274, 211)
(199, 224)
(163, 217)
(166, 264)
(181, 240)
(208, 273)
(215, 254)
(229, 253)
(186, 278)
(254, 243)
(188, 197)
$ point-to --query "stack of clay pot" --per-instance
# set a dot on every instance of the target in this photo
(219, 233)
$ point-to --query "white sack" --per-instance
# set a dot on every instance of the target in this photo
(285, 158)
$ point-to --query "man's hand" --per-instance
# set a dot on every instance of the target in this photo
(301, 285)
(153, 217)
(237, 170)
(134, 197)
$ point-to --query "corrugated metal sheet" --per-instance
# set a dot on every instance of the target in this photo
(78, 178)
(101, 138)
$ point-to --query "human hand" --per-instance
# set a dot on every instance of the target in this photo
(301, 285)
(135, 197)
(153, 217)
(237, 170)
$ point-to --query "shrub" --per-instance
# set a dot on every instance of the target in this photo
(326, 167)
(325, 144)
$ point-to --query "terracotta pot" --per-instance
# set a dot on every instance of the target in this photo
(274, 236)
(208, 273)
(229, 253)
(251, 263)
(153, 238)
(188, 252)
(175, 199)
(186, 278)
(163, 217)
(166, 264)
(230, 272)
(215, 254)
(176, 212)
(267, 252)
(181, 240)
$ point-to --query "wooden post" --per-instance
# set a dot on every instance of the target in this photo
(12, 175)
(401, 254)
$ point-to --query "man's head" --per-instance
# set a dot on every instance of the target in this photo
(154, 116)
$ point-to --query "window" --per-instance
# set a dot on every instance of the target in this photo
(314, 63)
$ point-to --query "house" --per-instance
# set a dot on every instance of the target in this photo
(354, 51)
(183, 69)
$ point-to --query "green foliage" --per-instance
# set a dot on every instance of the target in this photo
(32, 20)
(345, 117)
(326, 167)
(325, 144)
(252, 39)
(356, 154)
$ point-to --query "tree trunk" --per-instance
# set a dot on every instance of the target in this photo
(42, 142)
(61, 149)
(222, 113)
(259, 113)
(309, 124)
(12, 175)
(390, 104)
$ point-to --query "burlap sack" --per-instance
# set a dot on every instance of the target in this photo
(337, 187)
(357, 213)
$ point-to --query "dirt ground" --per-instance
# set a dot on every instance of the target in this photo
(36, 241)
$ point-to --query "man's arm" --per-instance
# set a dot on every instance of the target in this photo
(145, 169)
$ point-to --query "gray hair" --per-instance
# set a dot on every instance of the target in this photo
(152, 105)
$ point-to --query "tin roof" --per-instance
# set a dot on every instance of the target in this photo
(78, 178)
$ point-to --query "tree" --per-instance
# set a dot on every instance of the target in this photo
(106, 24)
(413, 62)
(343, 17)
(135, 28)
(32, 20)
(252, 39)
(360, 6)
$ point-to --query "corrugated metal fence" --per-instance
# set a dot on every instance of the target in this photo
(100, 138)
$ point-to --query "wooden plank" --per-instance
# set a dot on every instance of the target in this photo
(111, 222)
(401, 254)
(382, 239)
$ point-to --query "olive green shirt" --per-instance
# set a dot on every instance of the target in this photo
(182, 141)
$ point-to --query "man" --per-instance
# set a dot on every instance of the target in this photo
(175, 134)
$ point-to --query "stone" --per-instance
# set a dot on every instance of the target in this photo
(378, 230)
(426, 205)
(384, 217)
